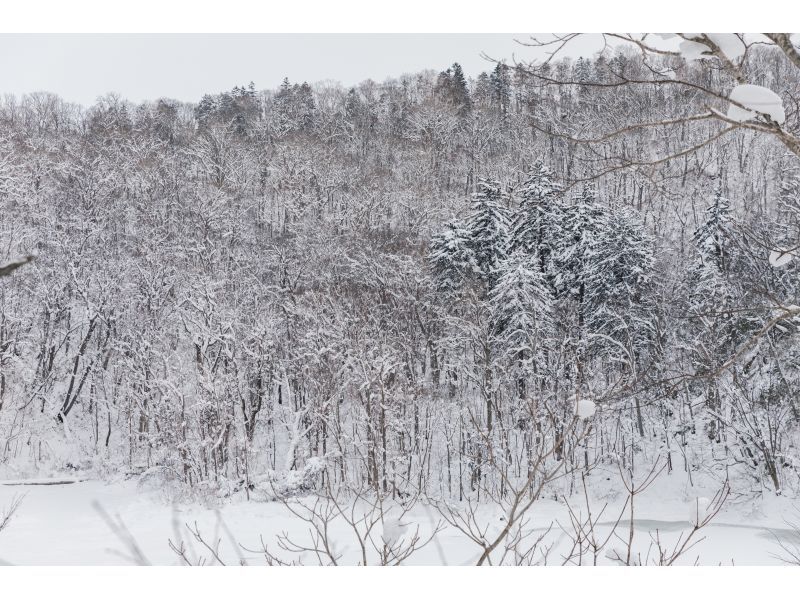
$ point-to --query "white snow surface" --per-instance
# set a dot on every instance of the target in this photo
(60, 525)
(757, 99)
(692, 50)
(729, 43)
(585, 409)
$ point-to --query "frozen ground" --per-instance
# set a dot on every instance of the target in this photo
(62, 525)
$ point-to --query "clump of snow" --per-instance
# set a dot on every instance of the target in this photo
(729, 43)
(699, 509)
(393, 531)
(780, 257)
(585, 409)
(692, 50)
(303, 481)
(755, 99)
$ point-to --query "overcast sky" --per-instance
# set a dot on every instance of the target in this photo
(81, 67)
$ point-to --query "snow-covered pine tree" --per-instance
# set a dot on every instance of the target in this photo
(710, 299)
(444, 84)
(205, 110)
(451, 86)
(709, 238)
(580, 228)
(583, 74)
(488, 229)
(521, 305)
(483, 90)
(451, 258)
(601, 262)
(500, 82)
(459, 90)
(618, 276)
(709, 291)
(535, 225)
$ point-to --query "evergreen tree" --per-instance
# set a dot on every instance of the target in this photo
(444, 85)
(483, 90)
(583, 75)
(618, 272)
(601, 69)
(451, 87)
(521, 304)
(488, 229)
(352, 105)
(535, 223)
(709, 291)
(710, 237)
(473, 250)
(713, 335)
(459, 91)
(522, 316)
(583, 70)
(500, 83)
(602, 262)
(580, 229)
(451, 257)
(206, 110)
(305, 106)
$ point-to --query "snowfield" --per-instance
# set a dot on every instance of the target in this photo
(68, 524)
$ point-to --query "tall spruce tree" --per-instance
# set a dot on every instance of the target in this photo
(521, 304)
(500, 83)
(618, 271)
(601, 263)
(459, 90)
(450, 257)
(488, 229)
(710, 300)
(535, 225)
(581, 225)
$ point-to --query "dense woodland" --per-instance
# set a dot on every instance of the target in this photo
(425, 286)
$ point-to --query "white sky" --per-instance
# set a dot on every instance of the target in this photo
(81, 67)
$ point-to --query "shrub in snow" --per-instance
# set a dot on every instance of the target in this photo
(755, 99)
(157, 477)
(284, 484)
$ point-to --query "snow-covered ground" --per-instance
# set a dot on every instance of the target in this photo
(64, 524)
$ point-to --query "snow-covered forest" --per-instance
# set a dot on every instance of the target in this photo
(431, 307)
